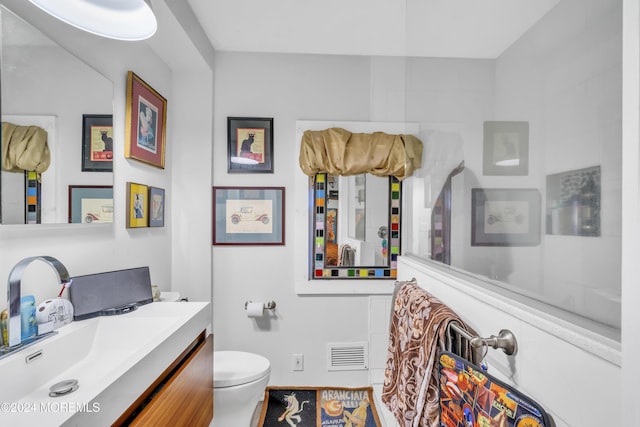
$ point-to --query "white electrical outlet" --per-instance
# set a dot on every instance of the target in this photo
(298, 362)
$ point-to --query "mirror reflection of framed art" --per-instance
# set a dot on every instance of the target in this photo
(90, 204)
(505, 217)
(97, 143)
(506, 148)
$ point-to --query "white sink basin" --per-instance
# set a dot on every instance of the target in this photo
(114, 359)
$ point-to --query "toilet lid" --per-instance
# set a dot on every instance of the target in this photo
(232, 368)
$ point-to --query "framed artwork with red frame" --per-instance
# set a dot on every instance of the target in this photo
(146, 117)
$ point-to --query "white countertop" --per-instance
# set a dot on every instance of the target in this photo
(114, 359)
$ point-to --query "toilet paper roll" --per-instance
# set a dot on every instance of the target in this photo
(255, 309)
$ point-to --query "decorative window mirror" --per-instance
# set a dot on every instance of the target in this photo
(356, 226)
(321, 271)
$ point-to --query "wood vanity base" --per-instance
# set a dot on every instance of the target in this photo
(182, 395)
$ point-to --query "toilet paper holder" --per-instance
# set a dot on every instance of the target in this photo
(269, 305)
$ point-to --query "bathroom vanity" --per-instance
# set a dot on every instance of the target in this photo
(146, 367)
(182, 395)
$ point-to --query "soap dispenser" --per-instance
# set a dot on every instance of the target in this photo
(28, 316)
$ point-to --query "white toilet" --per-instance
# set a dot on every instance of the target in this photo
(239, 380)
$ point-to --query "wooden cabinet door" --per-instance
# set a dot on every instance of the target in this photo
(186, 399)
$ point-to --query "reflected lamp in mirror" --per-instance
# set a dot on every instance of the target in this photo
(129, 20)
(348, 214)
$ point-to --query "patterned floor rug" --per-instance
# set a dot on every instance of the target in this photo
(319, 407)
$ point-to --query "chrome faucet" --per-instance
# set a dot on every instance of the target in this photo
(13, 293)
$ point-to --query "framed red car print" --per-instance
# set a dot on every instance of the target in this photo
(248, 215)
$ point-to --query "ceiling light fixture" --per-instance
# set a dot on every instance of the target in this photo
(115, 19)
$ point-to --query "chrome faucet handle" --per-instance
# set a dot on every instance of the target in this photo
(61, 270)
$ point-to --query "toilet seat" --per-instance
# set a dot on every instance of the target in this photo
(234, 368)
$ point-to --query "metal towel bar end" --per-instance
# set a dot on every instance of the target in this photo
(505, 340)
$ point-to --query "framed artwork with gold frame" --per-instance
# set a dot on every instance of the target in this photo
(146, 116)
(137, 205)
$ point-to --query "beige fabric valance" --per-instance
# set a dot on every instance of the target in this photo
(24, 148)
(339, 152)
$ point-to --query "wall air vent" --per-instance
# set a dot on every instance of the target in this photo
(351, 356)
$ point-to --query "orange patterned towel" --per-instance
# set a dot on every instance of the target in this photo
(417, 333)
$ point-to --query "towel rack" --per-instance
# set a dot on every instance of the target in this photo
(505, 340)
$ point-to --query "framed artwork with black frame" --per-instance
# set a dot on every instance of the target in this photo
(250, 145)
(97, 143)
(505, 217)
(248, 215)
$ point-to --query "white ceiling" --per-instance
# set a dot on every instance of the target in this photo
(429, 28)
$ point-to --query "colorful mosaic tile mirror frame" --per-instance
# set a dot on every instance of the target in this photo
(319, 271)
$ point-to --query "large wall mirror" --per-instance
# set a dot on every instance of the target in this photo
(543, 220)
(356, 230)
(46, 86)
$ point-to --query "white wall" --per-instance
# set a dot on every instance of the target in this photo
(287, 88)
(191, 185)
